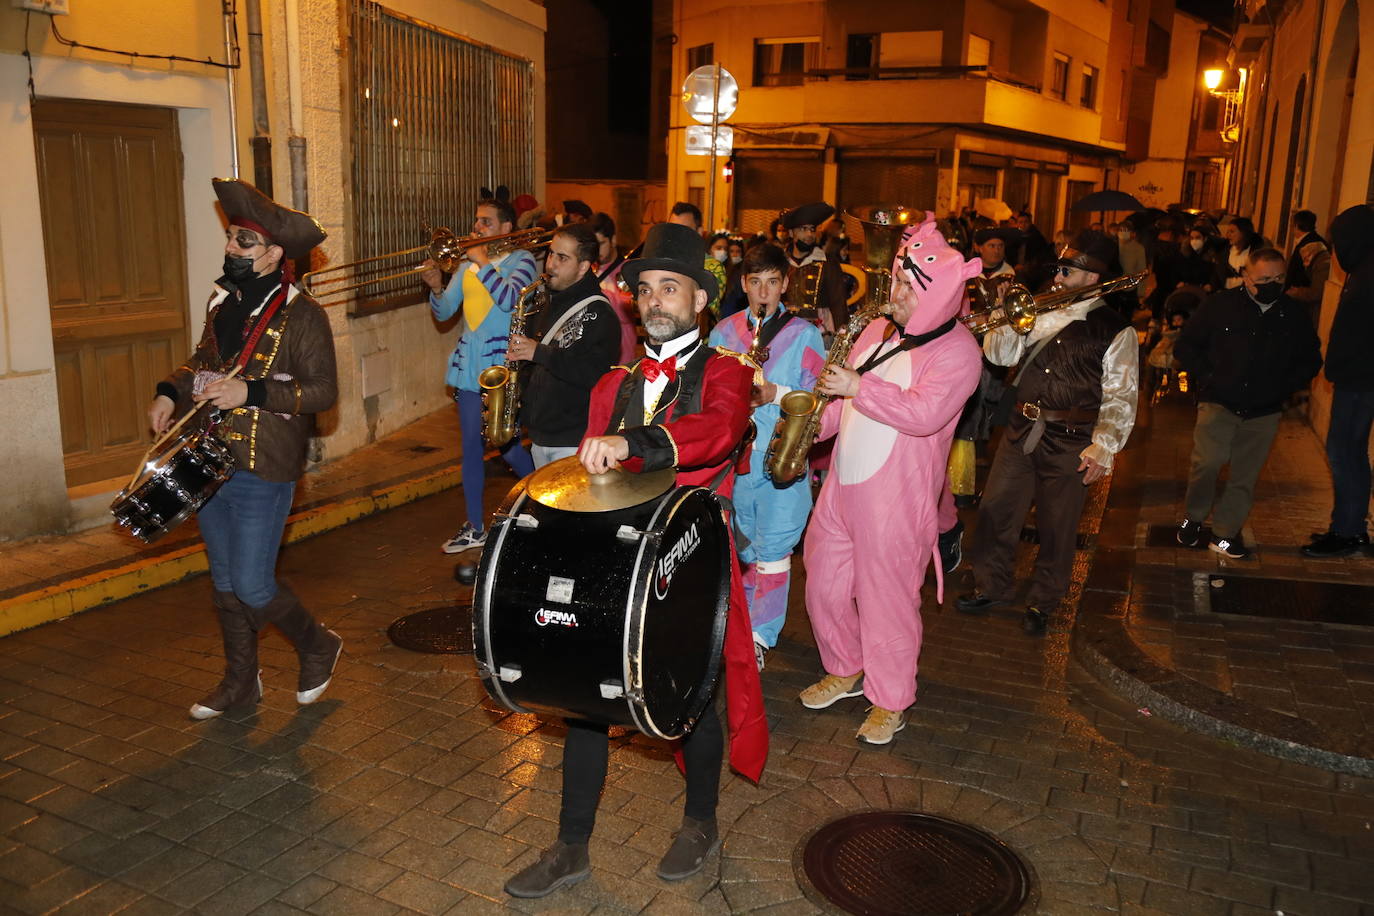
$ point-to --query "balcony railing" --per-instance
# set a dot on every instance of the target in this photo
(919, 73)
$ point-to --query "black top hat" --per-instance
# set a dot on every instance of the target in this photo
(807, 215)
(244, 205)
(1090, 251)
(578, 207)
(674, 247)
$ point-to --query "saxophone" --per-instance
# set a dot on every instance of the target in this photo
(800, 422)
(501, 384)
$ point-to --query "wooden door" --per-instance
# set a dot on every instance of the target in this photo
(109, 180)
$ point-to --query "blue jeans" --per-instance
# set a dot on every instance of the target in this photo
(242, 526)
(1347, 448)
(474, 473)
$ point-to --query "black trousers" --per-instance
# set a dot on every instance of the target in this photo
(1050, 478)
(585, 754)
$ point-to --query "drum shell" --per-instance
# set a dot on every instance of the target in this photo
(182, 479)
(616, 630)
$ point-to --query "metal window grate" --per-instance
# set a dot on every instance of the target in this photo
(435, 118)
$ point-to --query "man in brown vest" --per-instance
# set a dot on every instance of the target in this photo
(1075, 403)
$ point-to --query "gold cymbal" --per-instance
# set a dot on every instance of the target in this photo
(566, 485)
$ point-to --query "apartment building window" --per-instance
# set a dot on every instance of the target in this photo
(700, 56)
(1059, 83)
(784, 61)
(861, 53)
(979, 51)
(1089, 96)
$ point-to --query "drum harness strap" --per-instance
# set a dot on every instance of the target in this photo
(690, 380)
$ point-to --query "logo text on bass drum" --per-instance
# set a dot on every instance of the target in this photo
(545, 617)
(675, 557)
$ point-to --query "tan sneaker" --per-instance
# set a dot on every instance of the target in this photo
(881, 725)
(830, 689)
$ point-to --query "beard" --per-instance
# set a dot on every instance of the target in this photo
(662, 327)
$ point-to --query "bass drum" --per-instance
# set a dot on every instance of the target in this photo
(613, 616)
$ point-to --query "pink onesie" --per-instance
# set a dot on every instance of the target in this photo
(874, 528)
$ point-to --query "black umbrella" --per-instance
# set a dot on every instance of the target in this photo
(1109, 200)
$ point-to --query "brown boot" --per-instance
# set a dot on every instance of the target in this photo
(242, 680)
(317, 648)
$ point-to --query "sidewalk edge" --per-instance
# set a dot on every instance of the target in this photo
(119, 581)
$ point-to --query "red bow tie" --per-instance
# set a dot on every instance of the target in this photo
(652, 368)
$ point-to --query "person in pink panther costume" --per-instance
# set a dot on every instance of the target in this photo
(876, 524)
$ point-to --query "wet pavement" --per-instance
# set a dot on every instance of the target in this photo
(406, 790)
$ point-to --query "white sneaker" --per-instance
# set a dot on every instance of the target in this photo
(760, 654)
(467, 538)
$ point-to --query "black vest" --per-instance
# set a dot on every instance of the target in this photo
(1067, 374)
(684, 391)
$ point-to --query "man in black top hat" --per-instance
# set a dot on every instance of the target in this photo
(280, 342)
(686, 406)
(1075, 400)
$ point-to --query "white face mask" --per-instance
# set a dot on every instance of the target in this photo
(1198, 244)
(736, 258)
(1123, 236)
(719, 256)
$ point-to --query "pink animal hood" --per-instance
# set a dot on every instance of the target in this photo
(935, 271)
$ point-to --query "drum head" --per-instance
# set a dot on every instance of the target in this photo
(673, 646)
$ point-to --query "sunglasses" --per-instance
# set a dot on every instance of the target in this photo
(1062, 271)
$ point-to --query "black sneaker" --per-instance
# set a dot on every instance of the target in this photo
(1189, 533)
(1329, 545)
(1232, 547)
(952, 548)
(1035, 622)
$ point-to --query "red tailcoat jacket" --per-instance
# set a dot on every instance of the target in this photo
(700, 418)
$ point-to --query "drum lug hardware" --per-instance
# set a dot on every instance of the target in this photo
(612, 689)
(483, 670)
(510, 673)
(635, 695)
(525, 520)
(627, 533)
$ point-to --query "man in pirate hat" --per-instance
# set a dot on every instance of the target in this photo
(685, 405)
(804, 248)
(279, 340)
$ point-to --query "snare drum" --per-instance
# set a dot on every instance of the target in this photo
(173, 485)
(615, 616)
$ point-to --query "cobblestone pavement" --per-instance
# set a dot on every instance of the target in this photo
(406, 790)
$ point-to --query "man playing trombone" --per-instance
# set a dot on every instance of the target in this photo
(1075, 400)
(485, 289)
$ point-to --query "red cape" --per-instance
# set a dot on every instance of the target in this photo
(705, 441)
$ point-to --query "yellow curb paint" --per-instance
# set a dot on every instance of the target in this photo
(117, 583)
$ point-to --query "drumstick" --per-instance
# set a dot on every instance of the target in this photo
(172, 431)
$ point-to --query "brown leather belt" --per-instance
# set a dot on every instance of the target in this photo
(1072, 417)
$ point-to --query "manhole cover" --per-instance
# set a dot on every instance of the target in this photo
(899, 862)
(1291, 599)
(441, 630)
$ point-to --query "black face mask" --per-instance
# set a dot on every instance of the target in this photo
(238, 269)
(804, 247)
(1268, 293)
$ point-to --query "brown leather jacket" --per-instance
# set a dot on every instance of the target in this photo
(271, 440)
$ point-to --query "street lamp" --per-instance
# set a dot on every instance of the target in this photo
(1233, 97)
